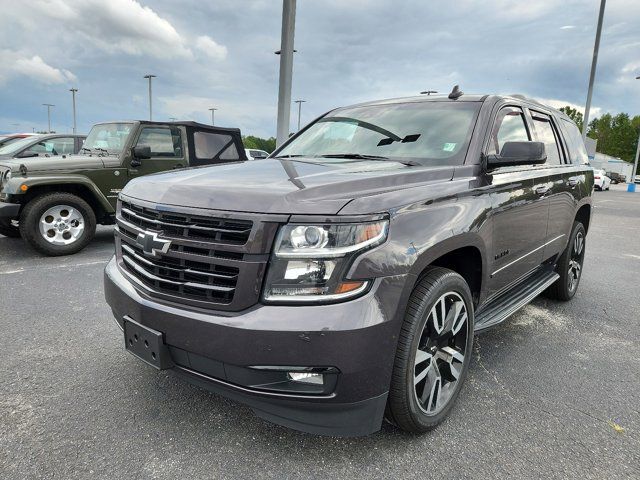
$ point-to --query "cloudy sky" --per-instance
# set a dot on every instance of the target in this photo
(220, 53)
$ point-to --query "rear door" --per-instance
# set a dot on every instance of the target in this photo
(561, 183)
(519, 212)
(167, 149)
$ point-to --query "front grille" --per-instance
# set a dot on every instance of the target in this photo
(212, 262)
(195, 280)
(233, 232)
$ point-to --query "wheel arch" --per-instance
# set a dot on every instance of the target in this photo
(464, 254)
(86, 190)
(583, 215)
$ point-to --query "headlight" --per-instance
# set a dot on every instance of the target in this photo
(309, 262)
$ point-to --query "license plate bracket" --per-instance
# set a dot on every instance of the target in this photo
(147, 344)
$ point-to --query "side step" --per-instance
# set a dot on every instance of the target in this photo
(510, 302)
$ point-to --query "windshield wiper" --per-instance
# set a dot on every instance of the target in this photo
(102, 150)
(355, 155)
(360, 156)
(288, 156)
(85, 149)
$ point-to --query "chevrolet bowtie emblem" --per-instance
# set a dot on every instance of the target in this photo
(151, 244)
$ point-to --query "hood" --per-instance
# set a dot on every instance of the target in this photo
(300, 186)
(50, 164)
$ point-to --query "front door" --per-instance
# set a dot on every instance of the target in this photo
(167, 150)
(520, 209)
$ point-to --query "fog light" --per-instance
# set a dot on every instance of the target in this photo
(305, 377)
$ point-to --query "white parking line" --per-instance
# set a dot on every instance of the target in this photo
(52, 267)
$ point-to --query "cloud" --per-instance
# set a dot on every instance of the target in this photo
(209, 47)
(123, 26)
(118, 26)
(216, 54)
(555, 103)
(248, 116)
(35, 68)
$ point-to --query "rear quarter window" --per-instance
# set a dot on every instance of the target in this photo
(577, 151)
(212, 146)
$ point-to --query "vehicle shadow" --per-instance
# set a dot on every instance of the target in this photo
(12, 249)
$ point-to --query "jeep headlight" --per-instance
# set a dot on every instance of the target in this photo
(309, 262)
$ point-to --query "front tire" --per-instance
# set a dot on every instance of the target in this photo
(58, 224)
(569, 266)
(434, 352)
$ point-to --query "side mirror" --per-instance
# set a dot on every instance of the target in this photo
(26, 154)
(141, 152)
(518, 153)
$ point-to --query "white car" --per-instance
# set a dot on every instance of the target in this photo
(255, 154)
(600, 180)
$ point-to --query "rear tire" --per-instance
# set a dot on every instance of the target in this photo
(434, 352)
(58, 224)
(569, 266)
(8, 229)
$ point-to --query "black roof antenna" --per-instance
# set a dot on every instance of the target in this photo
(456, 93)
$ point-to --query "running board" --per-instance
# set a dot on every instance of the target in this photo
(510, 302)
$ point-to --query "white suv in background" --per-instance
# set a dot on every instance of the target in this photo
(255, 154)
(600, 180)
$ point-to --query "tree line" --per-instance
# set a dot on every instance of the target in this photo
(617, 135)
(266, 144)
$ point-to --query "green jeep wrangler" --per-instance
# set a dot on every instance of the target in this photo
(55, 203)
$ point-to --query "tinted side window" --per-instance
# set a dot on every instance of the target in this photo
(546, 134)
(210, 146)
(509, 127)
(164, 141)
(577, 150)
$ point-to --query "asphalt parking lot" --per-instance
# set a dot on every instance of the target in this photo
(554, 392)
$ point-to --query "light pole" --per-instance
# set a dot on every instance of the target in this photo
(428, 92)
(149, 77)
(299, 102)
(48, 105)
(286, 70)
(632, 186)
(73, 95)
(592, 76)
(213, 110)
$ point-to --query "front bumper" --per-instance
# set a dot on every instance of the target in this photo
(9, 211)
(213, 350)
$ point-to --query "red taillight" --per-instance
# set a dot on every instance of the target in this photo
(597, 177)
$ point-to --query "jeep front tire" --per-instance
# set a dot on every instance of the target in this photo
(58, 223)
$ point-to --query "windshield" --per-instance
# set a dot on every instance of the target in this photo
(431, 133)
(108, 136)
(16, 146)
(8, 140)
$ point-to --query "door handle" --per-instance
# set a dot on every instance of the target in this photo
(542, 190)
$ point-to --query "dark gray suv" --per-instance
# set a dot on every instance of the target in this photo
(340, 281)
